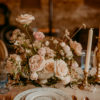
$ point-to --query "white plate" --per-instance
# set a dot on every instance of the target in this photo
(43, 94)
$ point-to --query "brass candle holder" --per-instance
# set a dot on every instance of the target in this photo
(98, 62)
(85, 83)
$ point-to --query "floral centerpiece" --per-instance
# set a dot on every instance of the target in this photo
(45, 60)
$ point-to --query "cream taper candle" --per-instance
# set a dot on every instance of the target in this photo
(88, 54)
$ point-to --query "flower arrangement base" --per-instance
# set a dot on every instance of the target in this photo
(85, 85)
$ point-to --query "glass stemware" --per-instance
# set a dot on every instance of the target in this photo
(83, 57)
(3, 77)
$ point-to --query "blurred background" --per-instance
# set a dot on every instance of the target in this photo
(52, 16)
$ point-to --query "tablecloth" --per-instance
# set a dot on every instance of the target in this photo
(80, 94)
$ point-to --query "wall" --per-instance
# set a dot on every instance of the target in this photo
(68, 14)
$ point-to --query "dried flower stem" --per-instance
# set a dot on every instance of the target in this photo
(82, 26)
(26, 27)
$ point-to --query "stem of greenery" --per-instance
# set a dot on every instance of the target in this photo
(26, 27)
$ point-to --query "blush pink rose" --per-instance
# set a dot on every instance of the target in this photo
(38, 35)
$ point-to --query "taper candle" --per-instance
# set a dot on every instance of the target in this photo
(88, 54)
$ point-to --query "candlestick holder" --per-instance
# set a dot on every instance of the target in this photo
(85, 85)
(98, 73)
(98, 62)
(85, 82)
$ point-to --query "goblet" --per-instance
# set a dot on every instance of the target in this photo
(3, 77)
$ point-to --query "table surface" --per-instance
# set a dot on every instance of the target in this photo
(69, 91)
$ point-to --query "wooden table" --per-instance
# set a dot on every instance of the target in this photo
(69, 91)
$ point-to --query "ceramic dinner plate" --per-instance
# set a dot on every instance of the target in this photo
(43, 94)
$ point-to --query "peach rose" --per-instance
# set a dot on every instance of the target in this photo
(60, 68)
(36, 63)
(38, 35)
(25, 19)
(49, 65)
(76, 47)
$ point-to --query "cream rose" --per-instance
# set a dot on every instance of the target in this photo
(55, 42)
(34, 76)
(37, 44)
(62, 52)
(49, 52)
(68, 52)
(36, 63)
(66, 79)
(47, 43)
(28, 51)
(62, 44)
(42, 51)
(66, 48)
(93, 71)
(25, 19)
(60, 68)
(69, 55)
(74, 64)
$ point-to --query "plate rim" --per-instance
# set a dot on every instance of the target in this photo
(20, 95)
(39, 93)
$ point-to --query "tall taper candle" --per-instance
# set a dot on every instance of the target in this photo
(88, 54)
